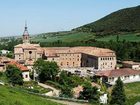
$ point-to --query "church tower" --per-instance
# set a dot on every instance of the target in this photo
(26, 37)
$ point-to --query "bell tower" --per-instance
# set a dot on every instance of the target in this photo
(26, 37)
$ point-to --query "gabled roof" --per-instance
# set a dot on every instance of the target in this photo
(100, 52)
(20, 66)
(117, 72)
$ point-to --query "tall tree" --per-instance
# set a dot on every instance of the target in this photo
(118, 94)
(14, 75)
(46, 70)
(89, 93)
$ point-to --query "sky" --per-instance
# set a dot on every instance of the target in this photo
(54, 15)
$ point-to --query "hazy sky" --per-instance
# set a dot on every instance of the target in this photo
(54, 15)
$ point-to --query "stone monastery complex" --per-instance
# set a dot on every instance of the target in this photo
(66, 57)
(83, 61)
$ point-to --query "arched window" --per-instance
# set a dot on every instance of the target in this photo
(30, 52)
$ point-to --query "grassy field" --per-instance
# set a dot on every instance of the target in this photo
(10, 96)
(132, 92)
(81, 36)
(127, 37)
(64, 37)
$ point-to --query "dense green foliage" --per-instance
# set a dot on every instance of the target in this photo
(132, 91)
(118, 94)
(89, 93)
(68, 82)
(125, 20)
(12, 96)
(131, 37)
(14, 75)
(46, 70)
(9, 43)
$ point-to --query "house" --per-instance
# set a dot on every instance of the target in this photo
(4, 52)
(24, 69)
(127, 75)
(131, 64)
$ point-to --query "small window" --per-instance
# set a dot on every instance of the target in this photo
(73, 63)
(26, 76)
(30, 52)
(67, 63)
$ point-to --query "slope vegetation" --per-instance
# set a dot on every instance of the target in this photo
(11, 96)
(125, 20)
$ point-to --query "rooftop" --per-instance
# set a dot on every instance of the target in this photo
(117, 72)
(20, 66)
(131, 62)
(87, 50)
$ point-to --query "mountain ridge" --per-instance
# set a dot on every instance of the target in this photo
(124, 20)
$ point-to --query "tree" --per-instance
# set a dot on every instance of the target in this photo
(14, 75)
(46, 70)
(118, 94)
(66, 92)
(89, 93)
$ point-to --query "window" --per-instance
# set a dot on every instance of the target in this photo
(26, 76)
(134, 76)
(73, 63)
(30, 52)
(67, 63)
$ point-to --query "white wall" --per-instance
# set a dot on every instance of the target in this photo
(24, 74)
(131, 78)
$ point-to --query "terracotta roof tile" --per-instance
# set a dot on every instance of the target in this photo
(117, 73)
(87, 50)
(20, 66)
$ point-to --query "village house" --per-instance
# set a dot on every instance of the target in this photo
(4, 61)
(24, 69)
(131, 64)
(127, 75)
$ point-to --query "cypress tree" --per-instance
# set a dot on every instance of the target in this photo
(118, 94)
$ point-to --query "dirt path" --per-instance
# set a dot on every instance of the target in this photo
(55, 91)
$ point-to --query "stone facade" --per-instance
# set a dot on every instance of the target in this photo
(27, 53)
(75, 57)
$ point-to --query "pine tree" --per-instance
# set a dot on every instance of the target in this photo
(118, 94)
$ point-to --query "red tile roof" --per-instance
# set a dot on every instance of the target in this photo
(20, 66)
(117, 72)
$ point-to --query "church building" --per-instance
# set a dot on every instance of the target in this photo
(26, 52)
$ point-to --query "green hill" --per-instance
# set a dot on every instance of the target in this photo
(11, 96)
(68, 36)
(125, 20)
